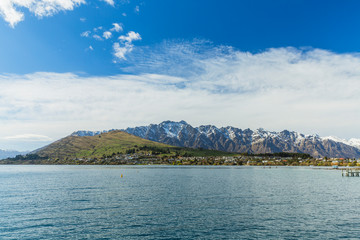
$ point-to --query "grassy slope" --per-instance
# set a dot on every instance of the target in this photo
(109, 143)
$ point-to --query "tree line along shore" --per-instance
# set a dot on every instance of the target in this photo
(131, 157)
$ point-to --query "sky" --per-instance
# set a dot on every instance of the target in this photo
(68, 65)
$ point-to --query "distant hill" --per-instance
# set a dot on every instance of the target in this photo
(96, 145)
(109, 144)
(9, 153)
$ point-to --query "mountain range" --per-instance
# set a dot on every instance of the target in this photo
(233, 139)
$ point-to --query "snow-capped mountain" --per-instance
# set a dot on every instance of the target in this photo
(83, 133)
(252, 141)
(233, 139)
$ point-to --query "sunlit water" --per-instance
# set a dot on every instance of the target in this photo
(95, 202)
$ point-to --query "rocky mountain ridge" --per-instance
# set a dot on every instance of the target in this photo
(233, 139)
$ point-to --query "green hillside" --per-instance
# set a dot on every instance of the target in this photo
(115, 143)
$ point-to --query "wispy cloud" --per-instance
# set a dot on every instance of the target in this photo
(85, 34)
(98, 28)
(29, 137)
(186, 56)
(97, 37)
(10, 10)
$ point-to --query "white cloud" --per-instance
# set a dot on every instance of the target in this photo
(110, 2)
(10, 10)
(117, 27)
(124, 14)
(311, 91)
(29, 137)
(121, 51)
(85, 34)
(91, 48)
(9, 13)
(107, 35)
(137, 9)
(125, 46)
(83, 19)
(130, 36)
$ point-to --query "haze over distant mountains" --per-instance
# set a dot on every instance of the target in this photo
(233, 139)
(9, 153)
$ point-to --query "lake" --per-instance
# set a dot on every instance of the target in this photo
(172, 202)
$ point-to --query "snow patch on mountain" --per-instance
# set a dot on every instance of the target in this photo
(172, 129)
(83, 133)
(354, 142)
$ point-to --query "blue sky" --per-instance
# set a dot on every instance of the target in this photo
(102, 64)
(54, 43)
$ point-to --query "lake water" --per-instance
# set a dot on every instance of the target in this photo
(165, 202)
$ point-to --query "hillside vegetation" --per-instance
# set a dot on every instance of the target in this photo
(115, 143)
